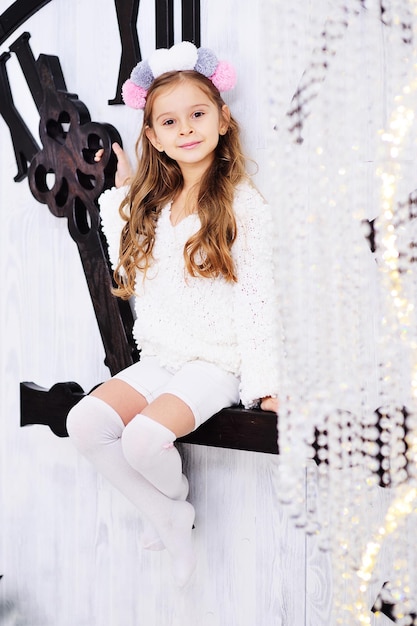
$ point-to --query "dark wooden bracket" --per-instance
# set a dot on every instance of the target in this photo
(48, 407)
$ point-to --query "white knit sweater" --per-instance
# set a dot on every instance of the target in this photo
(181, 318)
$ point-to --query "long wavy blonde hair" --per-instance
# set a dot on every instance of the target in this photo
(158, 180)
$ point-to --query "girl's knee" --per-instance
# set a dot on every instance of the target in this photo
(77, 420)
(144, 440)
(92, 422)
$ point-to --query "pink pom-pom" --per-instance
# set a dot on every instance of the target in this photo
(224, 78)
(133, 95)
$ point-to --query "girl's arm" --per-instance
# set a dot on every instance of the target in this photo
(256, 310)
(111, 220)
(110, 201)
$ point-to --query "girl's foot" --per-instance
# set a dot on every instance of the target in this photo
(177, 538)
(150, 537)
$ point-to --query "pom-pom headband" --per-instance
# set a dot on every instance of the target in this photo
(182, 56)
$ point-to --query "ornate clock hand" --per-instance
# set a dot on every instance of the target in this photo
(70, 141)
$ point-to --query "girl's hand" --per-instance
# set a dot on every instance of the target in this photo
(269, 403)
(124, 170)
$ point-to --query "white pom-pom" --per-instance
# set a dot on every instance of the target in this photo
(182, 56)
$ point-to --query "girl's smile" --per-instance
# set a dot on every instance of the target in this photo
(189, 146)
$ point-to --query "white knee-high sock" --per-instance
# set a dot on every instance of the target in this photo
(96, 430)
(148, 447)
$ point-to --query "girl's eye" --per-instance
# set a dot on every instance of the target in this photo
(198, 113)
(168, 122)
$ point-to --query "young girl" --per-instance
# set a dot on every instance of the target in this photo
(192, 241)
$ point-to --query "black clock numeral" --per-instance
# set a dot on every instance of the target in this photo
(127, 15)
(24, 145)
(191, 22)
(164, 17)
(27, 62)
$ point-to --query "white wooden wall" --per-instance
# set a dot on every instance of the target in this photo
(69, 544)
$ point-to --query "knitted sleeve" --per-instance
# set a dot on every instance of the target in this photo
(111, 220)
(256, 311)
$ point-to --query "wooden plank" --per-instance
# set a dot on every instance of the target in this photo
(239, 429)
(281, 551)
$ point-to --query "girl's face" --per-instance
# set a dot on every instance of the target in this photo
(186, 125)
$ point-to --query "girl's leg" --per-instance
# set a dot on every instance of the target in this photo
(190, 397)
(126, 401)
(148, 469)
(96, 429)
(148, 444)
(150, 432)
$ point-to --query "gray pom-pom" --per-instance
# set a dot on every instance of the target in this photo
(206, 62)
(142, 75)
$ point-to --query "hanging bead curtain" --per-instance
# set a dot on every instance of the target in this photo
(343, 160)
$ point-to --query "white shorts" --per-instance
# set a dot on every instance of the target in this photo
(203, 386)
